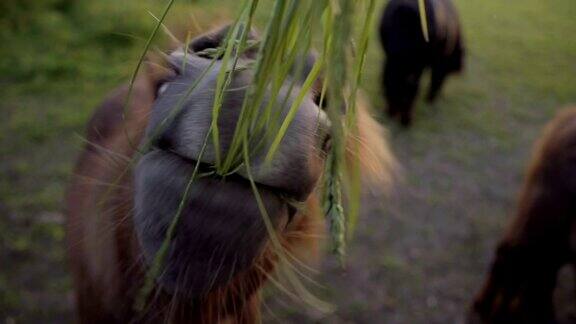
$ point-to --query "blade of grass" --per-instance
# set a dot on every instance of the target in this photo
(301, 291)
(354, 176)
(256, 89)
(139, 65)
(294, 108)
(232, 48)
(423, 19)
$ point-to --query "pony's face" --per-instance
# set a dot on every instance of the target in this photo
(221, 230)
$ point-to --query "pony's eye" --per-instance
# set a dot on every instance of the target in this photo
(164, 82)
(161, 89)
(173, 64)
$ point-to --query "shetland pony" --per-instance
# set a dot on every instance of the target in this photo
(408, 53)
(541, 237)
(221, 253)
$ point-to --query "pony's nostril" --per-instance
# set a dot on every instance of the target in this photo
(324, 130)
(327, 143)
(163, 143)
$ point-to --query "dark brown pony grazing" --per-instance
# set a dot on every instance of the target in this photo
(408, 53)
(221, 253)
(540, 239)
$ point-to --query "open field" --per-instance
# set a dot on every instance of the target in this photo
(418, 255)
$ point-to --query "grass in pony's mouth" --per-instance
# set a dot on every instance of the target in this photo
(287, 36)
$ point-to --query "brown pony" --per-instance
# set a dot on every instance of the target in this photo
(221, 253)
(540, 239)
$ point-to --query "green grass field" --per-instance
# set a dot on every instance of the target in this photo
(418, 256)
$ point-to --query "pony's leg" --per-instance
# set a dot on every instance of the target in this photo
(401, 83)
(437, 80)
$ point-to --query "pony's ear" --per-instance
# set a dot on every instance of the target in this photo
(215, 38)
(155, 67)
